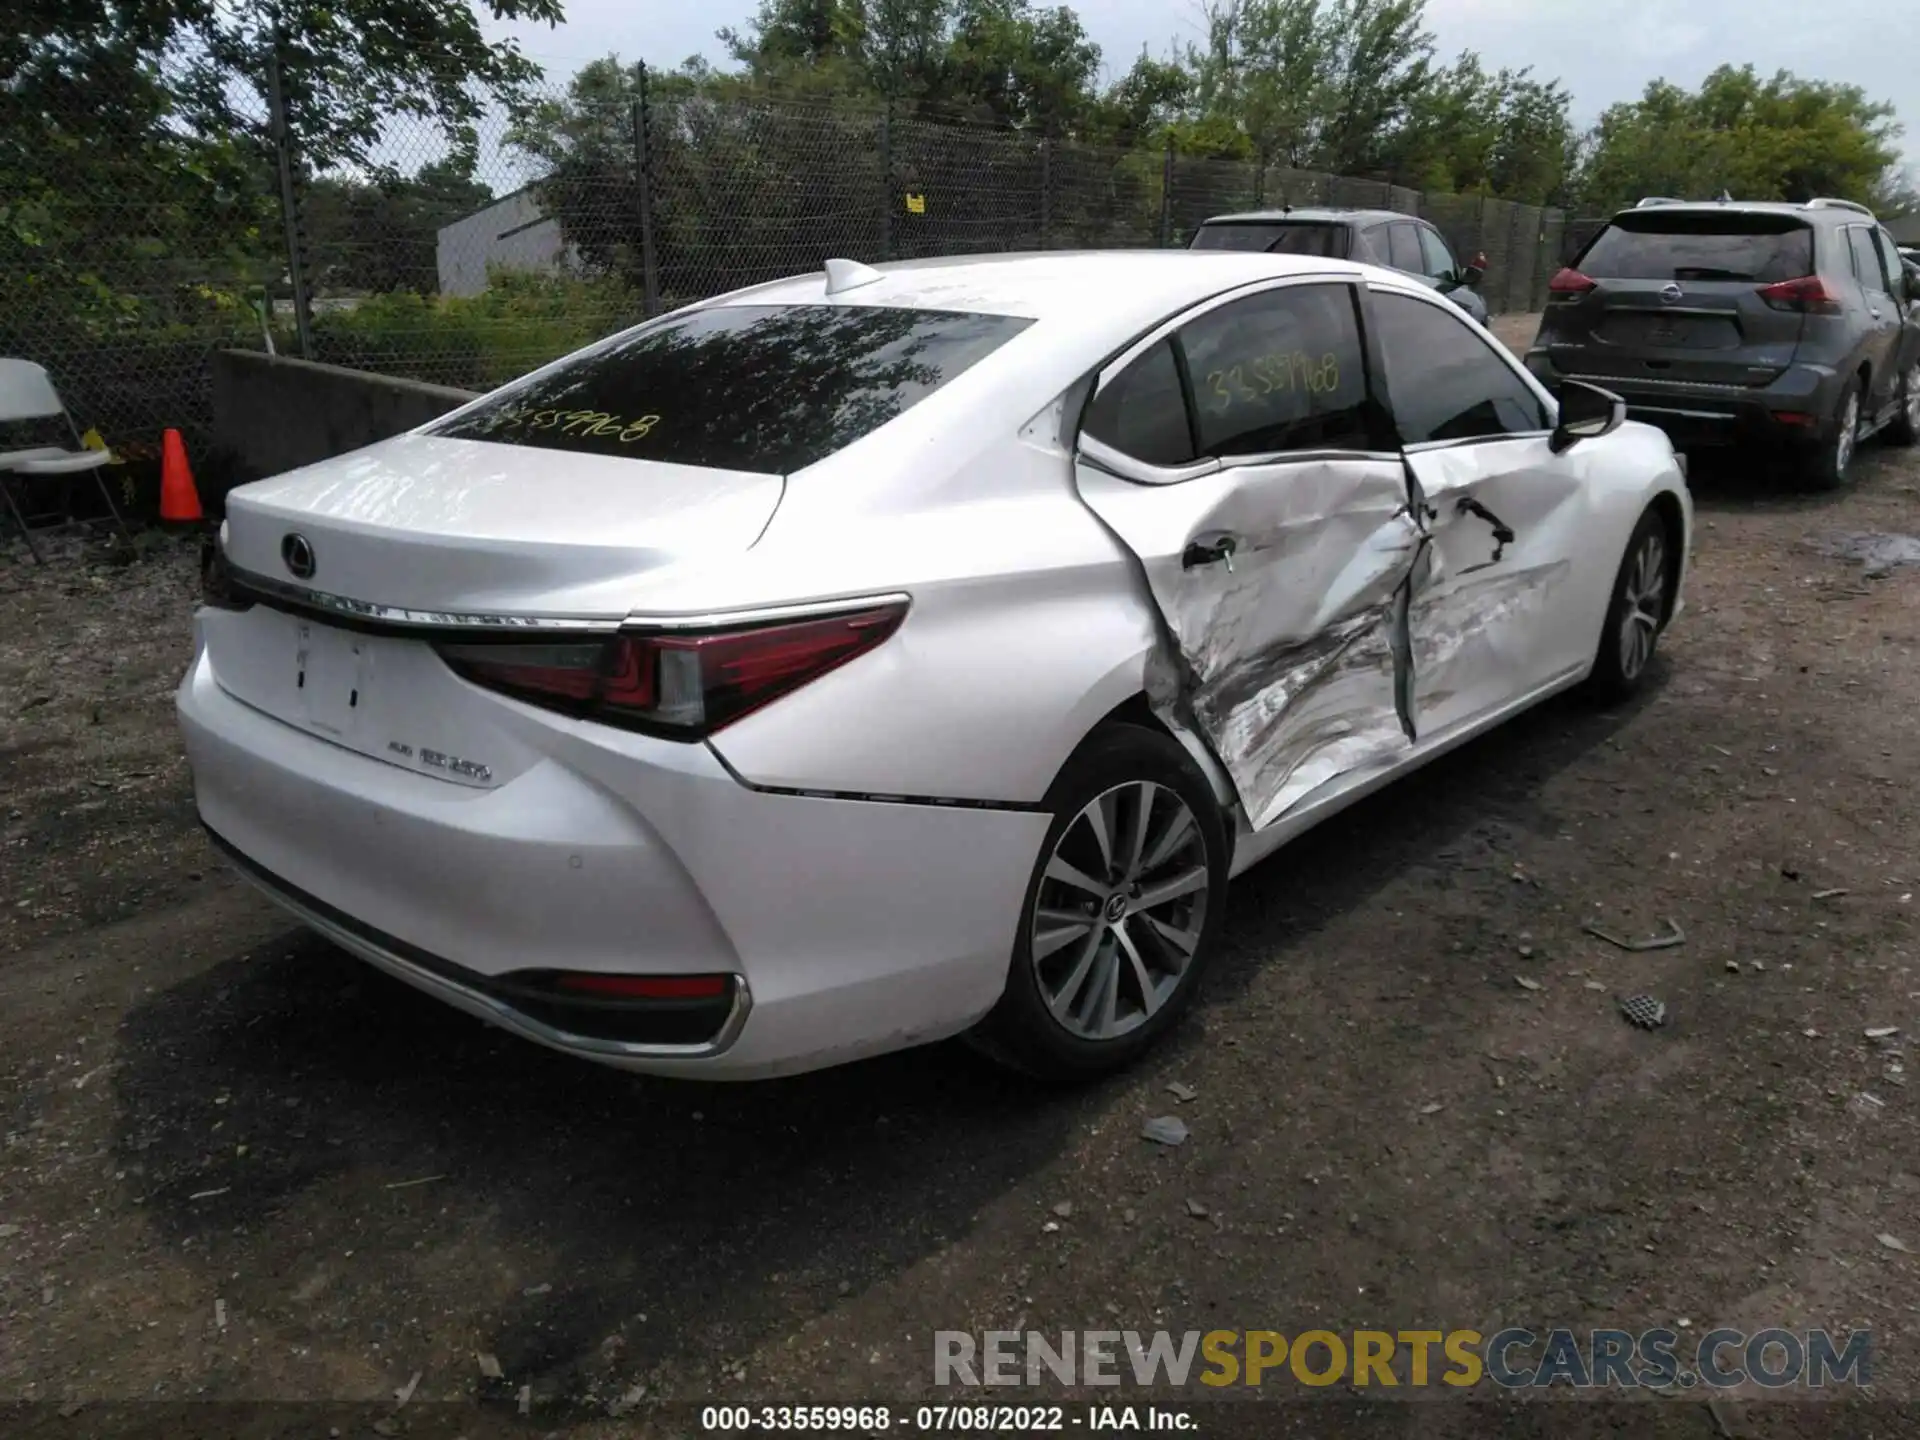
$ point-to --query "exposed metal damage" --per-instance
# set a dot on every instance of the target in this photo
(1322, 622)
(1293, 635)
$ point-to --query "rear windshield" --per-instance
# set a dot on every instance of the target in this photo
(766, 388)
(1760, 248)
(1279, 237)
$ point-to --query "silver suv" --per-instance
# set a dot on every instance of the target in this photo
(1377, 237)
(1729, 321)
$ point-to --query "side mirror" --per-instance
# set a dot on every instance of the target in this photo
(1586, 413)
(1912, 284)
(1472, 276)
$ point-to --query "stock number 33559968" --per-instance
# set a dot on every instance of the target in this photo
(876, 1419)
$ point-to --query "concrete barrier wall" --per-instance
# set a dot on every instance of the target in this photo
(272, 413)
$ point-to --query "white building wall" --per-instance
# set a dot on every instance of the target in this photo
(513, 232)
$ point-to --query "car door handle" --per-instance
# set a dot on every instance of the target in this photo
(1209, 550)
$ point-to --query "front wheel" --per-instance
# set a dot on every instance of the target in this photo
(1637, 613)
(1120, 915)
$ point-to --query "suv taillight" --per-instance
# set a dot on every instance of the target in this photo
(1571, 282)
(1808, 295)
(683, 684)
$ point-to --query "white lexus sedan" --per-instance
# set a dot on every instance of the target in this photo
(886, 654)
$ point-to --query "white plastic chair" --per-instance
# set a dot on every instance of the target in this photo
(27, 394)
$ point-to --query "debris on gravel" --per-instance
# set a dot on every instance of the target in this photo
(1165, 1130)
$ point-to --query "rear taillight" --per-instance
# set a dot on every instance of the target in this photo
(216, 575)
(1808, 296)
(1571, 282)
(685, 684)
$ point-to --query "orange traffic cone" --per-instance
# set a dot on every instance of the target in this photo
(179, 499)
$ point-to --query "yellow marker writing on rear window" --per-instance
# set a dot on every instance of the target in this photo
(599, 424)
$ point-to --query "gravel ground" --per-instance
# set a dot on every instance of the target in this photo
(240, 1166)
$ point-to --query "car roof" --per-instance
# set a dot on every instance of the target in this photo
(1121, 288)
(1321, 213)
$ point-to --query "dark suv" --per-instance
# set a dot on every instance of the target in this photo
(1376, 237)
(1727, 321)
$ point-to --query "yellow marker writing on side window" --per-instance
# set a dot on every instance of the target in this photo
(1264, 374)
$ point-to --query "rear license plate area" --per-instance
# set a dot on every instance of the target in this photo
(1671, 332)
(333, 668)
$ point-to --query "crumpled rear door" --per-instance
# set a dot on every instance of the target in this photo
(1284, 588)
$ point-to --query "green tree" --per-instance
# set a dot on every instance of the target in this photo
(1012, 63)
(1006, 61)
(1783, 138)
(380, 233)
(1316, 84)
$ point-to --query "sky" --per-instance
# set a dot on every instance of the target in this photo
(1602, 50)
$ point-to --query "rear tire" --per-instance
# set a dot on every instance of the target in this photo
(1827, 466)
(1637, 614)
(1120, 915)
(1904, 428)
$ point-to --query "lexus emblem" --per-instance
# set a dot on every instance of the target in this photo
(1672, 294)
(296, 553)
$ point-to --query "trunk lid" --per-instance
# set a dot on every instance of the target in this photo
(453, 526)
(448, 528)
(1676, 298)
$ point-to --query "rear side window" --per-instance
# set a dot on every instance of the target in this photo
(1279, 371)
(766, 388)
(1701, 247)
(1279, 237)
(1446, 383)
(1143, 413)
(1866, 259)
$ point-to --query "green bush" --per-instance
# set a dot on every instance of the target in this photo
(479, 341)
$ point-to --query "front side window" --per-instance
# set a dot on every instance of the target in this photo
(1278, 371)
(1439, 259)
(763, 388)
(1446, 383)
(1143, 411)
(1403, 249)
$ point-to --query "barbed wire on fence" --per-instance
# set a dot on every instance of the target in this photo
(572, 219)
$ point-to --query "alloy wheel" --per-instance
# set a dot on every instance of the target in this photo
(1120, 910)
(1911, 390)
(1849, 433)
(1644, 592)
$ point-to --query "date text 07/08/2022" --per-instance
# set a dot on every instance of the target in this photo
(957, 1419)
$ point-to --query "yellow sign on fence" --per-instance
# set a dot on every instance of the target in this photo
(916, 204)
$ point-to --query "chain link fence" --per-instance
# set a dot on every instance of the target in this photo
(572, 219)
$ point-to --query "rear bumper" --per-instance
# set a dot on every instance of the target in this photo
(1706, 416)
(854, 927)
